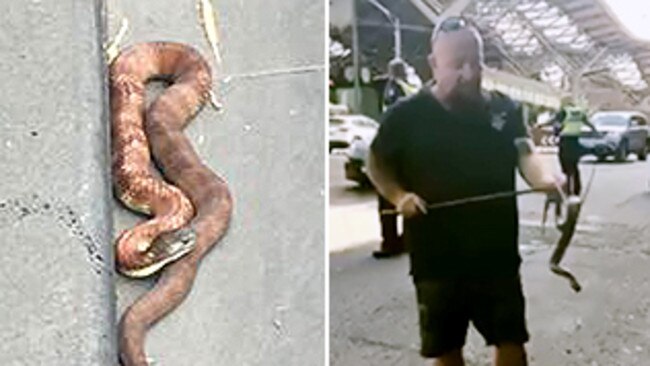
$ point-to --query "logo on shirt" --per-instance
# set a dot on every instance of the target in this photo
(498, 120)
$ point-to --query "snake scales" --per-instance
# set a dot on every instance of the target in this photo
(190, 211)
(571, 206)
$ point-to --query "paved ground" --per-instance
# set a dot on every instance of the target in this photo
(258, 298)
(56, 283)
(373, 316)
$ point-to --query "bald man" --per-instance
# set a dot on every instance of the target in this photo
(450, 141)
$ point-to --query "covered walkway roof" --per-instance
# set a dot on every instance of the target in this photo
(557, 40)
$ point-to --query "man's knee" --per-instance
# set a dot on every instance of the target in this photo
(510, 354)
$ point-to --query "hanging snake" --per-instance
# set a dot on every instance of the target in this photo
(569, 207)
(190, 210)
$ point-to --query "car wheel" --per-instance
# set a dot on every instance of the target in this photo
(643, 154)
(621, 152)
(601, 158)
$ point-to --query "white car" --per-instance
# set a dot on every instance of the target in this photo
(346, 128)
(338, 109)
(356, 164)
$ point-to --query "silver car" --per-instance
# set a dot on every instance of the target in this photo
(619, 134)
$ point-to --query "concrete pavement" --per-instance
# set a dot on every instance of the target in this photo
(56, 276)
(259, 296)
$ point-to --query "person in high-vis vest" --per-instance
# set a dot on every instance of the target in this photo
(397, 88)
(571, 119)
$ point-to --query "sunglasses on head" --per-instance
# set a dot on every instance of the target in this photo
(452, 24)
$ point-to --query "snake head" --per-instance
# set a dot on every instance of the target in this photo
(169, 243)
(174, 240)
(166, 248)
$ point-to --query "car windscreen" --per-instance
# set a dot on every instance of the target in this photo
(609, 120)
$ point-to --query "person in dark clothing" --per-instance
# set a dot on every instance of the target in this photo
(396, 89)
(449, 141)
(397, 86)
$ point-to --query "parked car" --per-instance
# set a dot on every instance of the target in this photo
(357, 158)
(345, 128)
(338, 109)
(354, 133)
(619, 134)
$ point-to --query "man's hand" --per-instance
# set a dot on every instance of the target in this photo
(410, 205)
(552, 183)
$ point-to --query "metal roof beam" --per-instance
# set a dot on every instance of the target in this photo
(604, 32)
(595, 23)
(544, 41)
(587, 13)
(575, 5)
(454, 9)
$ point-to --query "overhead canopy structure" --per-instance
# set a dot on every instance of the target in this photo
(536, 49)
(522, 89)
(574, 45)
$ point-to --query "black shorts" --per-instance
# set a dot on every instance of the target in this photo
(495, 306)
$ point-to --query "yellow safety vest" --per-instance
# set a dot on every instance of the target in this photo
(573, 121)
(407, 88)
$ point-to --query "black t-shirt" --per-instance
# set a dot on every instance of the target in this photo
(441, 156)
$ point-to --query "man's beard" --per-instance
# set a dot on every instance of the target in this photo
(469, 103)
(467, 96)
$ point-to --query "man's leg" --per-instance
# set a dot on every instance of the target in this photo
(577, 184)
(563, 155)
(510, 354)
(498, 313)
(444, 319)
(575, 160)
(451, 358)
(566, 164)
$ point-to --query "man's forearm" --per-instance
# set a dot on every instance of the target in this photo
(590, 125)
(532, 167)
(383, 180)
